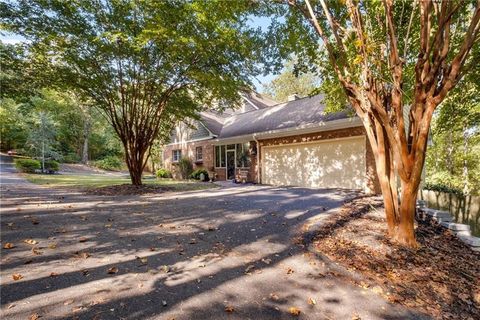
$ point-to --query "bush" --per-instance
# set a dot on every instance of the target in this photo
(442, 188)
(110, 163)
(163, 173)
(185, 167)
(51, 166)
(71, 158)
(196, 174)
(27, 165)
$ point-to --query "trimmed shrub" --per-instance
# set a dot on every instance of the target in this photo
(163, 173)
(196, 174)
(442, 188)
(52, 166)
(185, 167)
(110, 163)
(28, 165)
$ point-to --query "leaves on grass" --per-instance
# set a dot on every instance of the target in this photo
(17, 276)
(30, 241)
(8, 245)
(112, 270)
(294, 311)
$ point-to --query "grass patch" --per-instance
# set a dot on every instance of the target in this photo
(101, 180)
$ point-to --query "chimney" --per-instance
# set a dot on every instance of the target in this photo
(293, 97)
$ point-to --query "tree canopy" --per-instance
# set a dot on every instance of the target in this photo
(144, 63)
(395, 62)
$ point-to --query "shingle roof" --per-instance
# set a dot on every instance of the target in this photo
(212, 121)
(297, 113)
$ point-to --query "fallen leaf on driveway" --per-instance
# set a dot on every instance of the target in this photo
(52, 245)
(8, 245)
(34, 316)
(108, 226)
(229, 309)
(66, 303)
(165, 268)
(312, 301)
(30, 241)
(249, 268)
(53, 274)
(112, 270)
(34, 221)
(274, 296)
(142, 260)
(82, 239)
(10, 306)
(17, 276)
(290, 271)
(36, 251)
(294, 311)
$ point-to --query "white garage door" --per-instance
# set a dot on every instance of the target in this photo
(338, 163)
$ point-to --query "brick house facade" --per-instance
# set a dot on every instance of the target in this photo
(240, 145)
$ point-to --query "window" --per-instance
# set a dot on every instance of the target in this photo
(243, 155)
(176, 155)
(199, 154)
(220, 156)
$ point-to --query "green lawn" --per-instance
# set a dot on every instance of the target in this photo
(100, 180)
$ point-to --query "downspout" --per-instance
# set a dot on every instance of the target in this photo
(258, 157)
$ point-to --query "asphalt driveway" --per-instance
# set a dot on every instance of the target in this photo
(226, 253)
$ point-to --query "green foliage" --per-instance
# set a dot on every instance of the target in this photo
(27, 165)
(196, 174)
(291, 82)
(171, 57)
(52, 166)
(110, 163)
(71, 158)
(13, 127)
(453, 158)
(185, 167)
(163, 173)
(442, 188)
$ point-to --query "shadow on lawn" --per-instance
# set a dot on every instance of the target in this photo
(204, 275)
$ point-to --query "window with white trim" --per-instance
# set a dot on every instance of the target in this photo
(176, 155)
(199, 154)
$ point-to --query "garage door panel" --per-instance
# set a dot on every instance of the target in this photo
(328, 164)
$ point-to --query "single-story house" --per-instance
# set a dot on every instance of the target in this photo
(283, 144)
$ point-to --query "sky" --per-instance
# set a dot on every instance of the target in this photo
(258, 82)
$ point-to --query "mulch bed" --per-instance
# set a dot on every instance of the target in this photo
(127, 189)
(441, 278)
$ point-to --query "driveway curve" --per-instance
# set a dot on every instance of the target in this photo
(226, 253)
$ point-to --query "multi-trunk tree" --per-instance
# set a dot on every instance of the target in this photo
(145, 64)
(396, 62)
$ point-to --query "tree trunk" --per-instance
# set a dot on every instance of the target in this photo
(466, 186)
(136, 162)
(406, 232)
(86, 134)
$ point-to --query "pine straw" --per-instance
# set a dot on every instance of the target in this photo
(441, 278)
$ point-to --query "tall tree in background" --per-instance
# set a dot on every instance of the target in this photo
(290, 81)
(396, 62)
(144, 63)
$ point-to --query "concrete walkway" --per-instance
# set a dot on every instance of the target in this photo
(228, 253)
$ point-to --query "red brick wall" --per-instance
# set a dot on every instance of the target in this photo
(188, 150)
(372, 181)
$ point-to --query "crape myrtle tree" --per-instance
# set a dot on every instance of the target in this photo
(144, 63)
(395, 62)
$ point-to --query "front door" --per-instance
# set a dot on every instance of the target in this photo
(230, 164)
